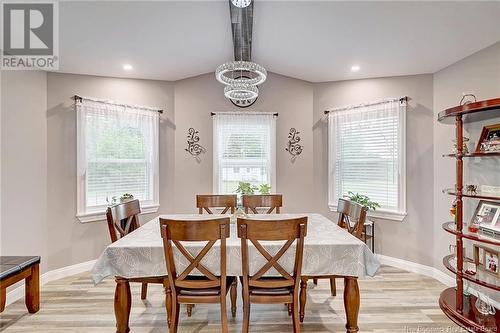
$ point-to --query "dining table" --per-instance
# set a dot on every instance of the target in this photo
(329, 250)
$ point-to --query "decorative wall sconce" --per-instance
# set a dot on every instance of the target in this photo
(194, 148)
(294, 148)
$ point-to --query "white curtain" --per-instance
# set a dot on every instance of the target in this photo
(244, 150)
(366, 153)
(117, 154)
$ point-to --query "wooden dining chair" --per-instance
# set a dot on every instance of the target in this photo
(192, 289)
(123, 218)
(208, 201)
(282, 289)
(352, 217)
(270, 201)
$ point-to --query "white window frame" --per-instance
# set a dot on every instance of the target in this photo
(216, 175)
(98, 213)
(393, 215)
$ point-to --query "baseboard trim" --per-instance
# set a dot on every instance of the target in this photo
(426, 271)
(417, 268)
(49, 276)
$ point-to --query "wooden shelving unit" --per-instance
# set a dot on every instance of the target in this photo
(458, 308)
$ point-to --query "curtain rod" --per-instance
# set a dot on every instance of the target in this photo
(78, 98)
(248, 112)
(401, 100)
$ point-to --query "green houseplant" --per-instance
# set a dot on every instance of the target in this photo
(246, 188)
(363, 200)
(265, 189)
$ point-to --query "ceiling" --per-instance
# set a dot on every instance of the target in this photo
(310, 40)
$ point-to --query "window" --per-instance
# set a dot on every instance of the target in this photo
(117, 154)
(367, 155)
(244, 150)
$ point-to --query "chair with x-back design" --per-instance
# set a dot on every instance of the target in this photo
(280, 289)
(270, 201)
(207, 201)
(206, 288)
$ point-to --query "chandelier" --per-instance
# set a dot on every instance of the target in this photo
(241, 76)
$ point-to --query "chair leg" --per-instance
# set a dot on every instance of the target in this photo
(223, 313)
(246, 313)
(144, 291)
(233, 293)
(303, 298)
(295, 312)
(333, 287)
(175, 316)
(189, 309)
(168, 301)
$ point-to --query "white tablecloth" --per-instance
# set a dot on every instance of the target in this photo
(328, 250)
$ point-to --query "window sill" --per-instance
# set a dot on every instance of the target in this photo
(380, 214)
(100, 216)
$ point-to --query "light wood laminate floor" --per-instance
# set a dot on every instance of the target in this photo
(393, 301)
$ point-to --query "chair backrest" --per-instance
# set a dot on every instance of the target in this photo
(174, 232)
(271, 201)
(205, 202)
(352, 217)
(289, 230)
(123, 218)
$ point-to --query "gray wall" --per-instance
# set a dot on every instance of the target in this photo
(478, 74)
(71, 241)
(410, 239)
(24, 163)
(196, 97)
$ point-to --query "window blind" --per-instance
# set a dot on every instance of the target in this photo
(118, 153)
(244, 150)
(366, 154)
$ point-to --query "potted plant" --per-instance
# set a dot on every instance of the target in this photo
(126, 197)
(363, 200)
(246, 188)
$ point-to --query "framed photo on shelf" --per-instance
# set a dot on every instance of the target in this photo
(487, 216)
(489, 141)
(487, 260)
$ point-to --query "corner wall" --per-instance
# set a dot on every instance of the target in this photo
(478, 74)
(411, 239)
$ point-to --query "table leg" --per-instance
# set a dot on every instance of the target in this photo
(303, 298)
(123, 302)
(32, 290)
(3, 298)
(351, 303)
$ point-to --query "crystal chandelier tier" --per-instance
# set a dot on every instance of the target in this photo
(230, 73)
(241, 91)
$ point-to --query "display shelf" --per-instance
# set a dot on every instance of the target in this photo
(492, 154)
(478, 195)
(447, 262)
(454, 304)
(461, 110)
(475, 236)
(469, 318)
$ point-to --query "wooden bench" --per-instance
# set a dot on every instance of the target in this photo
(14, 269)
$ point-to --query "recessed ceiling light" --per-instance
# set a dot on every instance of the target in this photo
(127, 67)
(355, 68)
